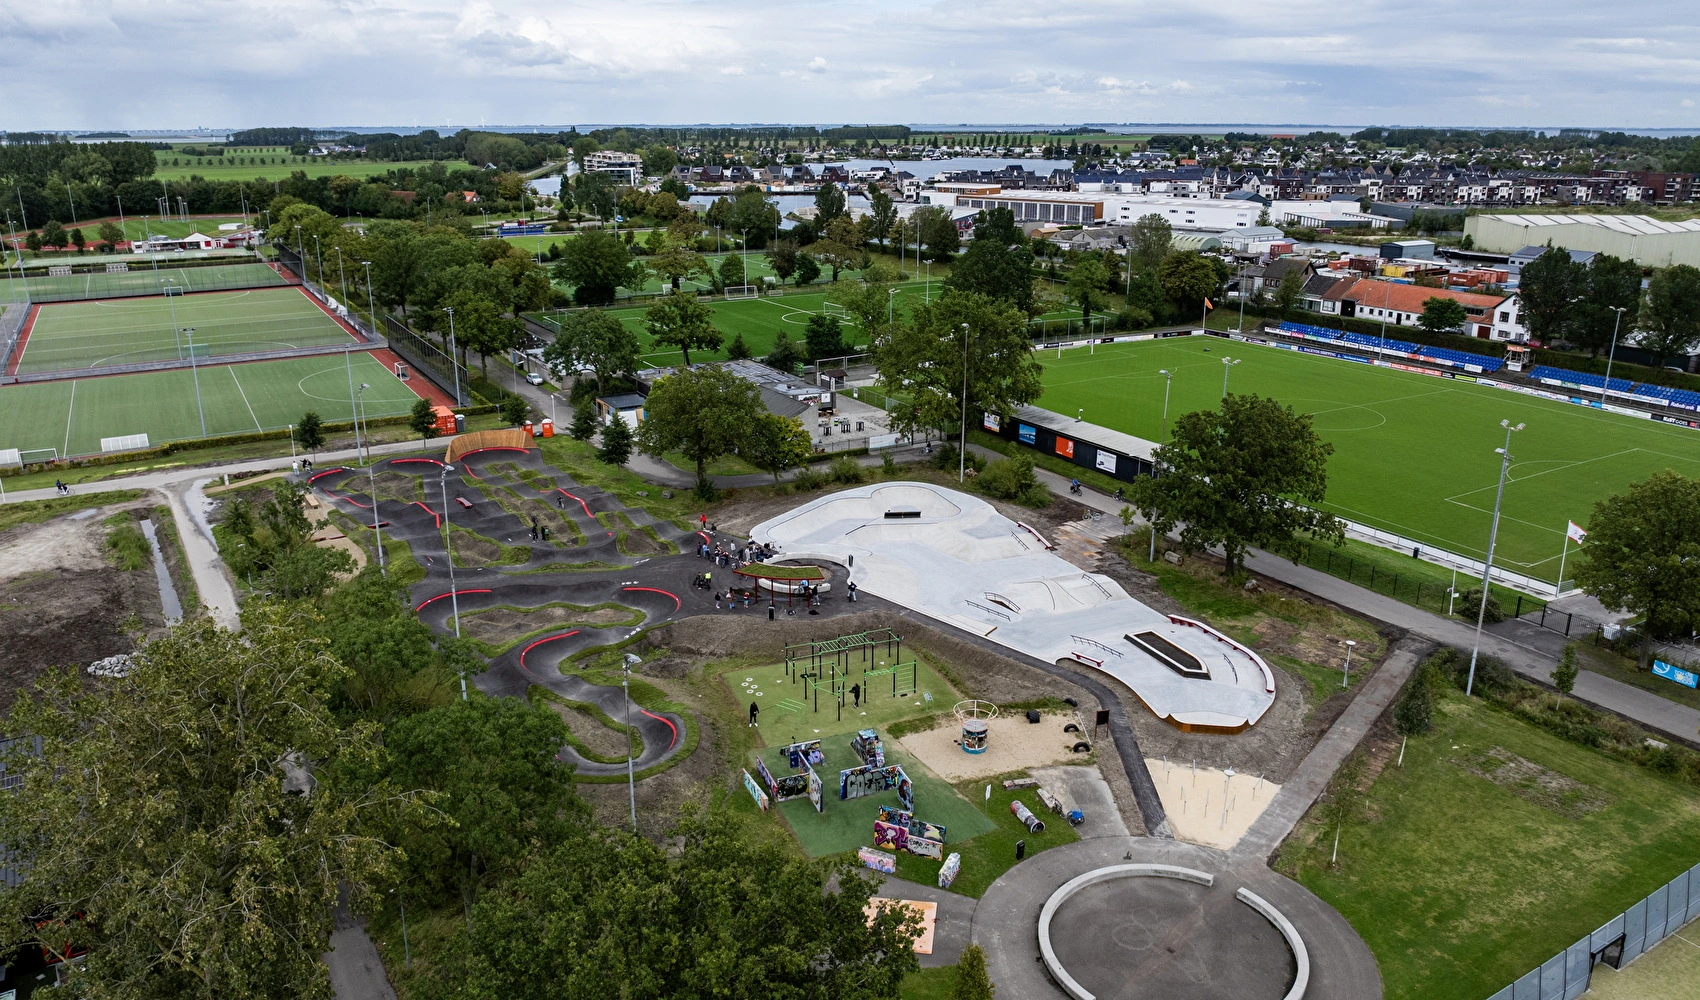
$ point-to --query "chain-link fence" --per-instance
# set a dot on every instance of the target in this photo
(1617, 942)
(427, 359)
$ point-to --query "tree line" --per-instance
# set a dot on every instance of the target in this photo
(1588, 304)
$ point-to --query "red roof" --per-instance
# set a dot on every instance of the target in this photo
(1404, 298)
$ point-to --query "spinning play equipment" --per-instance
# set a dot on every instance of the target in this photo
(976, 717)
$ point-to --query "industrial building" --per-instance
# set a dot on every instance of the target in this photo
(1648, 241)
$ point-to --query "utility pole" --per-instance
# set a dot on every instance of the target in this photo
(962, 448)
(1493, 535)
(448, 549)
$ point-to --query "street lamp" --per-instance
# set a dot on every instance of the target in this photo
(319, 255)
(371, 308)
(353, 411)
(1614, 324)
(890, 309)
(372, 481)
(449, 552)
(452, 363)
(1227, 366)
(406, 949)
(962, 448)
(1346, 674)
(1493, 534)
(626, 688)
(189, 332)
(1168, 383)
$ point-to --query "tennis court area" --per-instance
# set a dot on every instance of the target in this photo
(71, 416)
(1413, 454)
(67, 336)
(142, 279)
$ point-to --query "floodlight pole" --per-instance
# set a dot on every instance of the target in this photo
(171, 300)
(341, 274)
(1227, 365)
(319, 255)
(189, 332)
(1487, 567)
(371, 308)
(1613, 354)
(449, 552)
(353, 414)
(962, 448)
(372, 481)
(631, 779)
(1168, 382)
(453, 366)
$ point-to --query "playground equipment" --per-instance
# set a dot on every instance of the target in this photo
(976, 717)
(1033, 823)
(826, 664)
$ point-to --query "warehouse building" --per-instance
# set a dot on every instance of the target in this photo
(1648, 241)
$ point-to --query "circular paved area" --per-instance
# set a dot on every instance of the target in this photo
(1117, 941)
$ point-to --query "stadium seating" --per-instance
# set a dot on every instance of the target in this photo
(1443, 355)
(1686, 398)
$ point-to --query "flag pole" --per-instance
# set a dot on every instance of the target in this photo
(1559, 588)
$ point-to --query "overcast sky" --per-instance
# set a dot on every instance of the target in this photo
(138, 64)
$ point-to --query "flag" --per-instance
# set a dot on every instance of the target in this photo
(1209, 304)
(1575, 533)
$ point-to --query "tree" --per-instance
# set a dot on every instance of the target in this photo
(593, 192)
(824, 338)
(165, 821)
(422, 419)
(658, 160)
(1670, 320)
(777, 443)
(616, 446)
(53, 234)
(1442, 315)
(593, 340)
(492, 763)
(110, 233)
(397, 664)
(708, 913)
(937, 232)
(310, 432)
(922, 362)
(1610, 283)
(1413, 714)
(808, 269)
(840, 245)
(515, 410)
(737, 350)
(782, 258)
(972, 983)
(787, 356)
(703, 413)
(682, 321)
(751, 213)
(994, 264)
(32, 241)
(1548, 288)
(675, 262)
(596, 263)
(1188, 278)
(882, 215)
(1240, 476)
(829, 205)
(1643, 555)
(1149, 243)
(1564, 675)
(480, 326)
(732, 271)
(78, 240)
(1086, 285)
(584, 424)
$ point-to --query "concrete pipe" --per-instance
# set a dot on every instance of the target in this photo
(1033, 823)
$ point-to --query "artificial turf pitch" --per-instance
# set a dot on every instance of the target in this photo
(72, 415)
(67, 336)
(1413, 454)
(142, 279)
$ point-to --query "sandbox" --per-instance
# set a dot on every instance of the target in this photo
(1013, 744)
(1207, 806)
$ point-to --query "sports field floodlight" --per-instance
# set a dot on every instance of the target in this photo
(372, 484)
(1227, 366)
(189, 332)
(448, 549)
(371, 309)
(453, 365)
(962, 448)
(1168, 383)
(1612, 354)
(1493, 534)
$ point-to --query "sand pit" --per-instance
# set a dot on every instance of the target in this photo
(1012, 744)
(1194, 799)
(928, 912)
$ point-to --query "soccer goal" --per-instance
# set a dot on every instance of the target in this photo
(59, 271)
(41, 455)
(834, 309)
(742, 291)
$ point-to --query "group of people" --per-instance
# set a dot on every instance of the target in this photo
(301, 465)
(539, 532)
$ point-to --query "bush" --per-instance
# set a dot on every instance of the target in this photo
(1414, 714)
(845, 470)
(1008, 478)
(129, 546)
(807, 479)
(945, 458)
(1469, 606)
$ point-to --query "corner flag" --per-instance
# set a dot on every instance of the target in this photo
(1209, 304)
(1575, 532)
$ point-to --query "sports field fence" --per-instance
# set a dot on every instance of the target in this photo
(428, 359)
(1617, 942)
(76, 283)
(12, 319)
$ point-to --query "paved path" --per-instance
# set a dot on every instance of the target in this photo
(1528, 649)
(357, 973)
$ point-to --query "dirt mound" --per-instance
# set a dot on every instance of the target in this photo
(72, 543)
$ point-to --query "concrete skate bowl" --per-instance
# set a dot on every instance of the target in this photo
(893, 502)
(1152, 930)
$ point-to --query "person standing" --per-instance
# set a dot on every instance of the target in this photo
(754, 711)
(856, 693)
(852, 591)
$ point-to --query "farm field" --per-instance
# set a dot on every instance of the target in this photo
(1413, 454)
(72, 416)
(143, 279)
(70, 335)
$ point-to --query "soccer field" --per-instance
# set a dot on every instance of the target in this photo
(1413, 454)
(143, 279)
(70, 335)
(73, 415)
(759, 320)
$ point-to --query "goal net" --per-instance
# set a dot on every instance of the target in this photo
(125, 442)
(742, 291)
(121, 267)
(834, 309)
(59, 271)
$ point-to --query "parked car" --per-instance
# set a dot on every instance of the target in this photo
(534, 378)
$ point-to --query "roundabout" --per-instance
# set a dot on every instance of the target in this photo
(1121, 918)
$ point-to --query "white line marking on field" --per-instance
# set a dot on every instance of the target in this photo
(69, 410)
(251, 416)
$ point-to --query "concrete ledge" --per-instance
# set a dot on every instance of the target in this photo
(1079, 882)
(1288, 931)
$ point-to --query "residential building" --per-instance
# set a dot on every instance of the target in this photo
(1398, 304)
(626, 168)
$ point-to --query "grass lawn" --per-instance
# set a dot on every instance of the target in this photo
(929, 984)
(143, 279)
(73, 415)
(272, 166)
(70, 335)
(769, 687)
(36, 511)
(1413, 454)
(1460, 884)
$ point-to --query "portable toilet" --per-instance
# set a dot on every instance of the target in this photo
(974, 732)
(548, 427)
(528, 431)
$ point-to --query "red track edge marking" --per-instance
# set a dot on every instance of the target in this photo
(669, 723)
(540, 642)
(658, 590)
(446, 593)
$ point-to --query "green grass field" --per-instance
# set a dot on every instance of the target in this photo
(1413, 454)
(71, 335)
(142, 279)
(1460, 882)
(276, 166)
(73, 415)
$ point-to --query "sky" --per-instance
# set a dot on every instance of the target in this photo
(175, 64)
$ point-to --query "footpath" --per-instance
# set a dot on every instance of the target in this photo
(1529, 650)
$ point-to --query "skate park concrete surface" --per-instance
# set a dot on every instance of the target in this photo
(1128, 937)
(657, 587)
(954, 558)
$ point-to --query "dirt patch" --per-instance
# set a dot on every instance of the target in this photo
(500, 624)
(474, 551)
(393, 487)
(72, 543)
(589, 730)
(563, 532)
(1531, 782)
(699, 778)
(71, 618)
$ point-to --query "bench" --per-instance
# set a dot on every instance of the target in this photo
(312, 501)
(464, 502)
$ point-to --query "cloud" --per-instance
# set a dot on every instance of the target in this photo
(427, 62)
